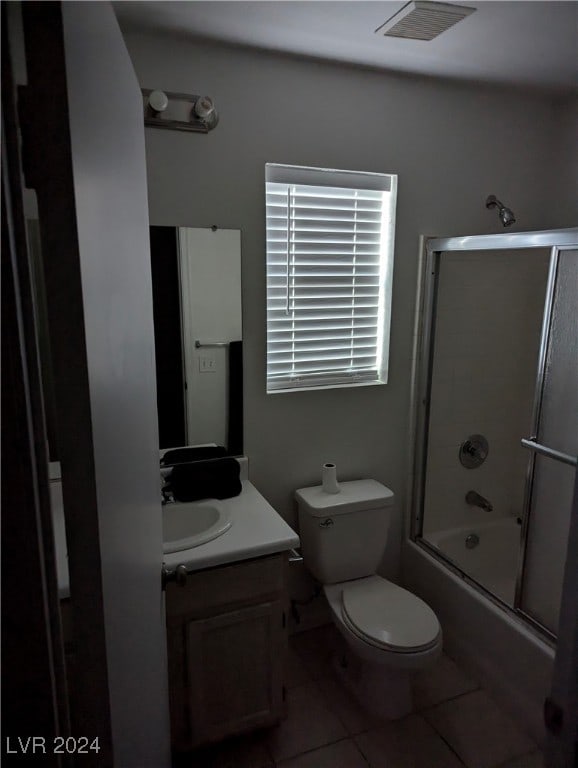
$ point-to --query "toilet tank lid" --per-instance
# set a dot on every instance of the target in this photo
(353, 496)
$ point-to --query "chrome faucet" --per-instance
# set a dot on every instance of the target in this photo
(476, 500)
(167, 495)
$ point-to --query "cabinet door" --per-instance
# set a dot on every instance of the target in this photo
(235, 671)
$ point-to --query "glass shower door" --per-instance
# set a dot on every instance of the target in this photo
(552, 472)
(499, 332)
(485, 351)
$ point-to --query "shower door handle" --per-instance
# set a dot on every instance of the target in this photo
(532, 445)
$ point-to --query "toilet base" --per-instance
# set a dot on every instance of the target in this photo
(383, 692)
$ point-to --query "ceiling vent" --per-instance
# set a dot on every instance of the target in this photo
(421, 20)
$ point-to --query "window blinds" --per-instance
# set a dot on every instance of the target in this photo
(329, 258)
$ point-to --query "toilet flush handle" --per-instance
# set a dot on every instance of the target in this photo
(327, 523)
(181, 575)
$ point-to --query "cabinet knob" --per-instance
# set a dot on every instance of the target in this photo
(181, 575)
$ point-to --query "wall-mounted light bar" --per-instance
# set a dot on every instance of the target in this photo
(179, 111)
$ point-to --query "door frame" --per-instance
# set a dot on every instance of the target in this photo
(80, 159)
(34, 689)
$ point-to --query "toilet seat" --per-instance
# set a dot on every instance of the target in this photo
(387, 616)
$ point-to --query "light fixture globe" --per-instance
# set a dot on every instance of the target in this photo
(158, 101)
(204, 110)
(204, 107)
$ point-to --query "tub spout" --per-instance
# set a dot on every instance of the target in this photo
(476, 500)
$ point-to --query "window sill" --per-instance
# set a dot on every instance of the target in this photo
(312, 388)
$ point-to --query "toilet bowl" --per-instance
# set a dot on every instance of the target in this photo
(384, 623)
(389, 632)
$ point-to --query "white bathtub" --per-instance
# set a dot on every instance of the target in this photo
(493, 561)
(502, 652)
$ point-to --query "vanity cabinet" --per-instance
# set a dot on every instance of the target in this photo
(227, 643)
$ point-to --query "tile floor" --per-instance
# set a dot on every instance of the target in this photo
(455, 723)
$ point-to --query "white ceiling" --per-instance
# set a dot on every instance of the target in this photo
(528, 44)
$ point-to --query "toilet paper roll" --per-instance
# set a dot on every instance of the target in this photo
(329, 478)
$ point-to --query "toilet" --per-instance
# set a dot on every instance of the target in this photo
(389, 632)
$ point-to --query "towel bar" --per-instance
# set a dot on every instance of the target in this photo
(544, 450)
(199, 344)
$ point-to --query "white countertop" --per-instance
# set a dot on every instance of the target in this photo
(256, 530)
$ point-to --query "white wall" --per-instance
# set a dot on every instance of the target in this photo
(487, 336)
(451, 145)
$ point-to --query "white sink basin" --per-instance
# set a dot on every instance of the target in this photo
(190, 524)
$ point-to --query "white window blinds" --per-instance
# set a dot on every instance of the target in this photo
(329, 266)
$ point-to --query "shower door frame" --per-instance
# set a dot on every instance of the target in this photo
(431, 250)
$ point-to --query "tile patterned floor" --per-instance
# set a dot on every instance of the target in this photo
(455, 723)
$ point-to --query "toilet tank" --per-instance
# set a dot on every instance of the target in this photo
(343, 535)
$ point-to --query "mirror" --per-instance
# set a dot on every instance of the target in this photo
(198, 336)
(196, 276)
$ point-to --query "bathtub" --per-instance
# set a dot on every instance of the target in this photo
(492, 557)
(507, 657)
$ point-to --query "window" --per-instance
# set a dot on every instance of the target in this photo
(329, 266)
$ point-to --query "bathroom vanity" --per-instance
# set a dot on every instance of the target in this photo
(226, 603)
(227, 640)
(226, 613)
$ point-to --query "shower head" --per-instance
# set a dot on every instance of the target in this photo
(506, 214)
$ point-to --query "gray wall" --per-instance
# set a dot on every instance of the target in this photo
(565, 188)
(451, 145)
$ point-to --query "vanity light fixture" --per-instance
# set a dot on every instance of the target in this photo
(179, 111)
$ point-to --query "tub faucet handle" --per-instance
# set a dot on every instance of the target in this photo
(473, 451)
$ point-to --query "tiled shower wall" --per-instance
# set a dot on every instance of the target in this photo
(488, 325)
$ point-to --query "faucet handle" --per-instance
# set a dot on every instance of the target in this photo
(473, 451)
(476, 450)
(181, 574)
(167, 495)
